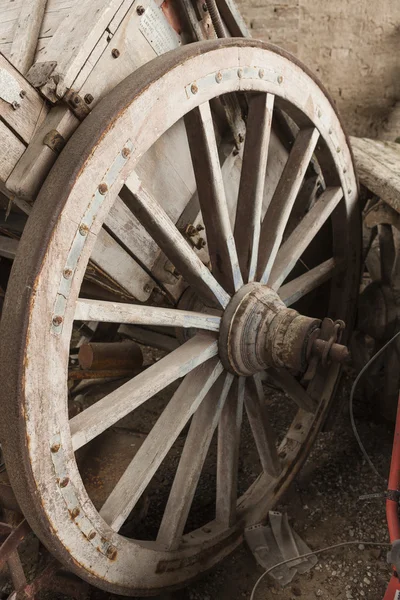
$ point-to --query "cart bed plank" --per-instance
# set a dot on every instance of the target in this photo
(378, 165)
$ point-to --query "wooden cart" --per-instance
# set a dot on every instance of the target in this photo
(205, 207)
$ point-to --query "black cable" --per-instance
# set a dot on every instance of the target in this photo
(353, 423)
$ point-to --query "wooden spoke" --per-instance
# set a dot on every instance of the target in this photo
(263, 433)
(290, 252)
(302, 285)
(292, 388)
(157, 444)
(211, 191)
(97, 418)
(228, 454)
(201, 431)
(156, 222)
(118, 312)
(278, 212)
(251, 190)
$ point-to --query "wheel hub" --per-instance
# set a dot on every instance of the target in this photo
(259, 331)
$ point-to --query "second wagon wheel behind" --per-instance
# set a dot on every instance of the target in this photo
(239, 286)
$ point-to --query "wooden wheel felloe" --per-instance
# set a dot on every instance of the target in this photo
(265, 252)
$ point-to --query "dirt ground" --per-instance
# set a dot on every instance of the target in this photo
(325, 508)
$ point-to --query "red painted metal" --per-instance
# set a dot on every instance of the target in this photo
(392, 504)
(393, 591)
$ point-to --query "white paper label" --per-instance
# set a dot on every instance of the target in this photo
(157, 31)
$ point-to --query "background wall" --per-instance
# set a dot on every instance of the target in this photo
(352, 45)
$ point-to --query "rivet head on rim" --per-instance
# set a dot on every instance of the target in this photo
(103, 188)
(261, 73)
(115, 53)
(64, 482)
(83, 229)
(57, 320)
(55, 448)
(280, 78)
(218, 77)
(194, 89)
(67, 273)
(75, 512)
(92, 534)
(319, 114)
(240, 73)
(125, 152)
(147, 288)
(140, 10)
(111, 552)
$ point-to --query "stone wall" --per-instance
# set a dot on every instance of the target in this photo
(352, 45)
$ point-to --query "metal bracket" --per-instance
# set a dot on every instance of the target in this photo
(76, 104)
(54, 140)
(10, 90)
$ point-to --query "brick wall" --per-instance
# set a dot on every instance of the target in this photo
(352, 45)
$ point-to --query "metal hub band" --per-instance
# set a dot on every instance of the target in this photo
(259, 331)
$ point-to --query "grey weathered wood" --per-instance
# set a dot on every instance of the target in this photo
(263, 433)
(155, 220)
(26, 119)
(228, 454)
(290, 252)
(11, 150)
(212, 198)
(8, 247)
(149, 337)
(292, 388)
(278, 212)
(73, 43)
(194, 453)
(26, 34)
(118, 312)
(302, 285)
(251, 190)
(30, 172)
(377, 165)
(121, 267)
(113, 407)
(177, 413)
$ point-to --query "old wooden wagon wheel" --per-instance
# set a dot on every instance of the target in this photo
(235, 314)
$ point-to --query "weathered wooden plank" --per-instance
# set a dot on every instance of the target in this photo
(278, 212)
(72, 44)
(377, 165)
(290, 252)
(212, 198)
(113, 407)
(228, 454)
(202, 427)
(11, 150)
(263, 433)
(32, 109)
(177, 413)
(252, 180)
(29, 174)
(170, 240)
(292, 388)
(8, 247)
(118, 312)
(149, 337)
(302, 285)
(26, 34)
(121, 267)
